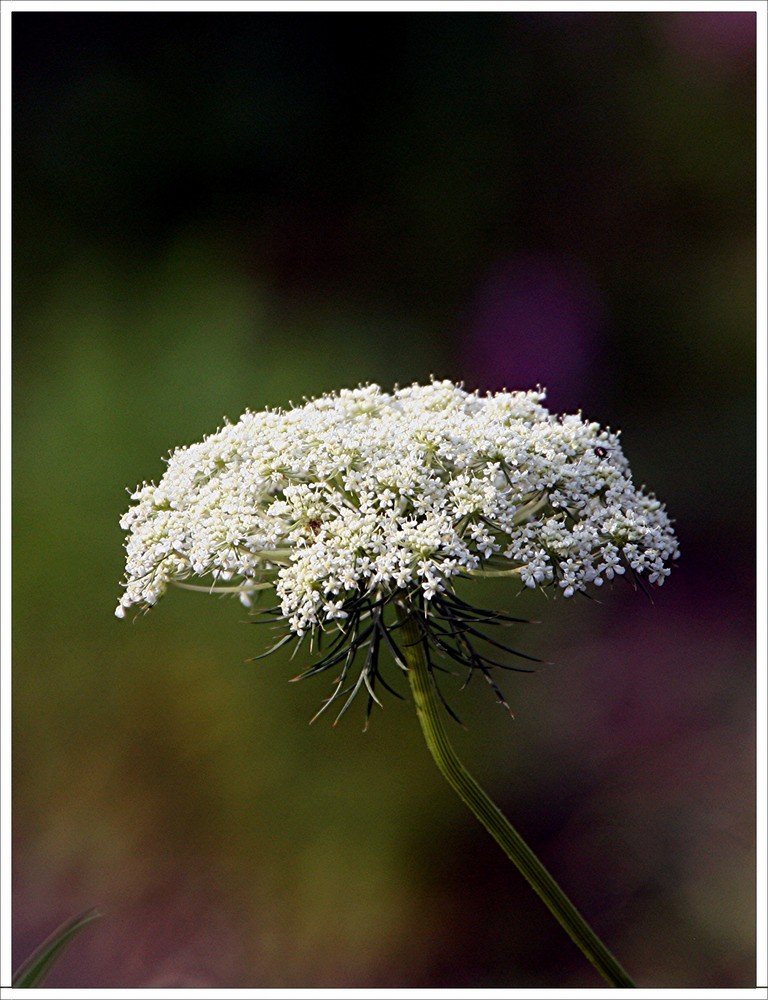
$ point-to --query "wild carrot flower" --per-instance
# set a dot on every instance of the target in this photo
(362, 509)
(356, 498)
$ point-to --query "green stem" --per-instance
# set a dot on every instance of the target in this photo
(462, 782)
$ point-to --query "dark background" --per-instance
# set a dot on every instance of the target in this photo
(221, 211)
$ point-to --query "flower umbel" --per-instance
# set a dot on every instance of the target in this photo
(356, 498)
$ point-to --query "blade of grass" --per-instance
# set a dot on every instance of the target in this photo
(32, 971)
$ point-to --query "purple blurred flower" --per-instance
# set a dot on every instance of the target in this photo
(535, 320)
(718, 39)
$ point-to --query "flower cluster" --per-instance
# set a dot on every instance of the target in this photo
(364, 492)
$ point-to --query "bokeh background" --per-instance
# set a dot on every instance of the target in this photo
(221, 211)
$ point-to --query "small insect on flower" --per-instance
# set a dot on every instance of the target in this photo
(601, 452)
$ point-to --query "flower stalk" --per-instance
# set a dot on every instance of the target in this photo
(415, 653)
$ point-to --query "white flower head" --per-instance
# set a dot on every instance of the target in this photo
(364, 495)
(364, 491)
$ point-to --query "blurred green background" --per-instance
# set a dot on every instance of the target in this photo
(221, 211)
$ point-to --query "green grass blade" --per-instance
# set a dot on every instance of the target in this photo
(32, 972)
